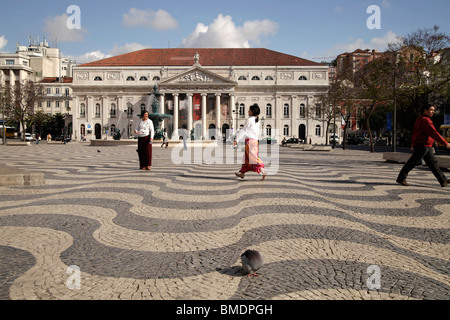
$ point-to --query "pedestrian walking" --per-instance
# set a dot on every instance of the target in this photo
(145, 131)
(38, 137)
(165, 139)
(423, 138)
(250, 132)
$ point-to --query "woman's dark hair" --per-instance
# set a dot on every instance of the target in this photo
(144, 112)
(427, 107)
(255, 111)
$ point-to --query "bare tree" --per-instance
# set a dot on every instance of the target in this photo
(22, 101)
(422, 77)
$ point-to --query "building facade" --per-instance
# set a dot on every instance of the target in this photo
(208, 91)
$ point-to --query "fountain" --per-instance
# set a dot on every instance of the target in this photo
(155, 116)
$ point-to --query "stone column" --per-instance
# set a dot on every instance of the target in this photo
(218, 111)
(232, 115)
(189, 113)
(12, 79)
(310, 129)
(278, 115)
(175, 135)
(294, 125)
(104, 115)
(89, 112)
(161, 110)
(204, 128)
(75, 115)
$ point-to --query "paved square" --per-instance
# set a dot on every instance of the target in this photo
(330, 225)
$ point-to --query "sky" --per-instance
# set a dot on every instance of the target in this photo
(316, 29)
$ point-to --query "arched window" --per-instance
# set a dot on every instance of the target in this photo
(318, 131)
(82, 110)
(269, 111)
(113, 129)
(97, 110)
(130, 78)
(143, 78)
(269, 130)
(302, 78)
(143, 107)
(112, 112)
(242, 78)
(98, 79)
(318, 111)
(286, 130)
(268, 78)
(129, 110)
(156, 78)
(83, 130)
(286, 110)
(302, 110)
(255, 78)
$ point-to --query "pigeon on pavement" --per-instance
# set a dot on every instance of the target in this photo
(252, 260)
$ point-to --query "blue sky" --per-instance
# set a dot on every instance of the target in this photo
(308, 29)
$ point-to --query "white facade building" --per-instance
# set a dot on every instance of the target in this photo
(202, 89)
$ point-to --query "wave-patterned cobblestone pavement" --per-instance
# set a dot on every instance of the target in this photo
(177, 232)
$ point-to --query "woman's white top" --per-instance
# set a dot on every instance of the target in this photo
(146, 128)
(249, 131)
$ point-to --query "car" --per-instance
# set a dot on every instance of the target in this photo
(268, 140)
(28, 137)
(333, 137)
(292, 141)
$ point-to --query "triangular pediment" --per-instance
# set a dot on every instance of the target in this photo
(197, 76)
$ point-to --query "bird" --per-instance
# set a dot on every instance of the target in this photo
(98, 151)
(252, 260)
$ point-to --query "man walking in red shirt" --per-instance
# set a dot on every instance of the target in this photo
(423, 138)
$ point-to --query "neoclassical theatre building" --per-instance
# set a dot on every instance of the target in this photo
(207, 90)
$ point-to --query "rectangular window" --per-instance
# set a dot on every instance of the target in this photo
(10, 62)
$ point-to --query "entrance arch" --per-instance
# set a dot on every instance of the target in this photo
(98, 131)
(225, 131)
(302, 132)
(212, 132)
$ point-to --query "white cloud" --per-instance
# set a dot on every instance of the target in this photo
(128, 47)
(223, 33)
(385, 4)
(56, 27)
(158, 20)
(379, 44)
(115, 51)
(3, 42)
(88, 56)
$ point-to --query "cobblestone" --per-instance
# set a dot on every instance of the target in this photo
(177, 232)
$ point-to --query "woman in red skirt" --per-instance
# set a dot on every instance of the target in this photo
(250, 132)
(145, 132)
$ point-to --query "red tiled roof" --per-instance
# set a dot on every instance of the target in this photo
(54, 80)
(208, 57)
